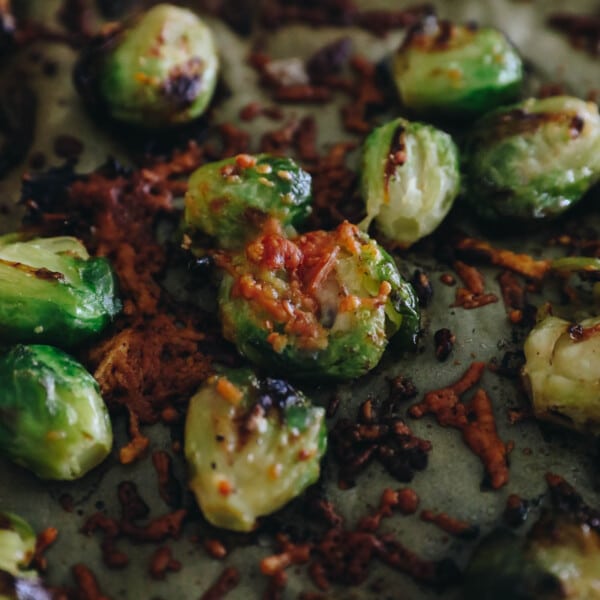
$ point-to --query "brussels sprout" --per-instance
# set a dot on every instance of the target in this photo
(17, 548)
(562, 372)
(53, 420)
(231, 199)
(52, 291)
(321, 305)
(410, 178)
(456, 70)
(17, 544)
(251, 445)
(534, 159)
(161, 71)
(558, 559)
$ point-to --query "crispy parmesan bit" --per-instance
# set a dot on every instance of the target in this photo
(475, 419)
(451, 525)
(87, 583)
(473, 295)
(519, 263)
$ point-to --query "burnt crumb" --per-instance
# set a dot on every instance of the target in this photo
(162, 562)
(66, 502)
(401, 389)
(423, 288)
(169, 488)
(46, 192)
(510, 365)
(377, 435)
(332, 58)
(67, 147)
(455, 527)
(444, 341)
(516, 510)
(333, 405)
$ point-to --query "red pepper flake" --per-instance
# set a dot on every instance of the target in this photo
(474, 419)
(447, 279)
(227, 581)
(451, 525)
(162, 562)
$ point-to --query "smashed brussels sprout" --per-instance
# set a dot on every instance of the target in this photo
(51, 291)
(456, 70)
(559, 559)
(53, 420)
(321, 305)
(534, 159)
(230, 199)
(251, 445)
(562, 372)
(162, 70)
(410, 178)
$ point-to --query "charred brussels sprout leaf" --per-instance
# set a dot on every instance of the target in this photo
(410, 178)
(533, 160)
(559, 559)
(17, 544)
(251, 445)
(161, 71)
(53, 420)
(562, 372)
(51, 291)
(230, 199)
(456, 70)
(321, 305)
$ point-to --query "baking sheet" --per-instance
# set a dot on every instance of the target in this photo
(452, 481)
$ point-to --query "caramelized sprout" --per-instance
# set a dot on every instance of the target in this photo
(562, 372)
(53, 420)
(252, 446)
(456, 70)
(160, 71)
(410, 178)
(230, 199)
(321, 305)
(533, 160)
(52, 291)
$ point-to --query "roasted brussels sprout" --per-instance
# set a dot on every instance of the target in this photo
(321, 305)
(17, 548)
(559, 559)
(410, 178)
(533, 160)
(456, 70)
(53, 420)
(51, 291)
(230, 199)
(562, 372)
(161, 71)
(17, 544)
(251, 445)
